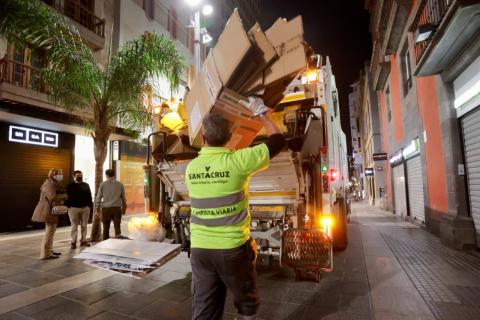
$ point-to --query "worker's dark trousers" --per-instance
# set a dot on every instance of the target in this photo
(215, 270)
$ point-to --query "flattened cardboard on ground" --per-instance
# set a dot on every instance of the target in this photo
(231, 48)
(130, 257)
(286, 35)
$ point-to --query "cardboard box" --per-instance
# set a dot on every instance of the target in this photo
(231, 48)
(239, 62)
(287, 39)
(209, 95)
(290, 63)
(198, 105)
(260, 57)
(244, 127)
(286, 35)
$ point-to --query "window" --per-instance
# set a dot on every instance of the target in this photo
(387, 102)
(335, 102)
(406, 70)
(358, 124)
(172, 22)
(149, 8)
(24, 67)
(359, 143)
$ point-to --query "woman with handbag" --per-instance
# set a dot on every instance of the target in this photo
(47, 209)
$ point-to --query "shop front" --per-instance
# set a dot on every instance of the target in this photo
(399, 187)
(467, 103)
(27, 154)
(129, 158)
(416, 200)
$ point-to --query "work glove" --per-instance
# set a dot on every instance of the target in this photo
(255, 105)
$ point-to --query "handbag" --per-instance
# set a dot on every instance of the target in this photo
(57, 210)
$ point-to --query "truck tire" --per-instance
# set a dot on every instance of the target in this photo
(340, 229)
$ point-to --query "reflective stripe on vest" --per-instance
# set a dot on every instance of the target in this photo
(217, 202)
(223, 221)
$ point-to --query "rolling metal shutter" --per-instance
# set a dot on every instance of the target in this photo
(24, 167)
(415, 189)
(399, 191)
(471, 136)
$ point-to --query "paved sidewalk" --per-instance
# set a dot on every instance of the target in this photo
(390, 270)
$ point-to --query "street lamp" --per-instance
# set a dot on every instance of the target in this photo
(206, 10)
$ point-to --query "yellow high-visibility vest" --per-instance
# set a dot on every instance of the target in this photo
(217, 182)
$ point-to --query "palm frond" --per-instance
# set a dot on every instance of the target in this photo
(130, 70)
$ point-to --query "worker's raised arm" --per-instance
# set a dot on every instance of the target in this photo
(276, 141)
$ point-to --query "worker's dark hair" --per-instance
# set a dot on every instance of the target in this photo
(110, 173)
(77, 171)
(216, 130)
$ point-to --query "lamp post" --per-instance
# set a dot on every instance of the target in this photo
(197, 48)
(206, 10)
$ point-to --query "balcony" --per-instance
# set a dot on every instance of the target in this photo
(91, 27)
(443, 30)
(389, 22)
(379, 67)
(20, 83)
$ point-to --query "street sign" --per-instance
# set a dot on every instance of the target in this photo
(396, 159)
(380, 156)
(369, 172)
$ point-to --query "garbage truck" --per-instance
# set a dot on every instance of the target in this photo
(299, 206)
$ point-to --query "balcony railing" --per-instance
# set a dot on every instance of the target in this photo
(431, 16)
(20, 75)
(77, 12)
(384, 19)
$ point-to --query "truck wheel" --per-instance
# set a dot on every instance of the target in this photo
(340, 229)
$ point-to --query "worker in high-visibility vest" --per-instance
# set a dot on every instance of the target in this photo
(222, 253)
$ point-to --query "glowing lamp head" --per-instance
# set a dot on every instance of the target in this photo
(326, 223)
(324, 168)
(312, 76)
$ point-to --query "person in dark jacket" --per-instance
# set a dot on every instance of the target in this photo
(79, 205)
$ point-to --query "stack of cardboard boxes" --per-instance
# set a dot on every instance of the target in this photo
(242, 64)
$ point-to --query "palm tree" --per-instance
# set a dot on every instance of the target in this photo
(113, 93)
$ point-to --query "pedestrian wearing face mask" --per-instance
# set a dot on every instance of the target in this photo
(79, 204)
(51, 194)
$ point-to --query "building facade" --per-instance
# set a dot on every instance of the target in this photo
(37, 135)
(134, 18)
(356, 172)
(374, 160)
(424, 70)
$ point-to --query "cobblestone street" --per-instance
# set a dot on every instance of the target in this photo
(391, 269)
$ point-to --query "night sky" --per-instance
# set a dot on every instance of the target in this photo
(338, 29)
(335, 28)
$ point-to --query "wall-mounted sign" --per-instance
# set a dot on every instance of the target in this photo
(380, 156)
(116, 150)
(369, 172)
(412, 149)
(33, 136)
(396, 159)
